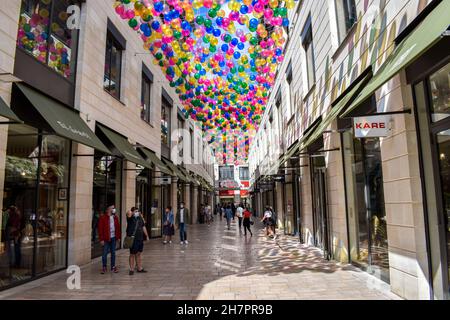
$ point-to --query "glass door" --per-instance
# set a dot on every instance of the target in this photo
(443, 146)
(321, 226)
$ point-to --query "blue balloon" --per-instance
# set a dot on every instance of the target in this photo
(241, 46)
(224, 47)
(285, 22)
(155, 25)
(219, 21)
(234, 42)
(244, 9)
(236, 55)
(216, 33)
(186, 25)
(159, 6)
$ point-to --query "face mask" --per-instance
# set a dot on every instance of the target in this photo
(136, 214)
(113, 211)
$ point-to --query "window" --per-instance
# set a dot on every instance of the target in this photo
(346, 16)
(191, 132)
(165, 122)
(226, 173)
(180, 136)
(244, 173)
(113, 65)
(307, 42)
(53, 46)
(146, 98)
(288, 85)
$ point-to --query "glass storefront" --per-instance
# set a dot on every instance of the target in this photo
(366, 214)
(432, 99)
(35, 205)
(107, 190)
(148, 200)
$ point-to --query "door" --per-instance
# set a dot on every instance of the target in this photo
(320, 218)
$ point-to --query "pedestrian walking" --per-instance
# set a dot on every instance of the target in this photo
(240, 215)
(228, 215)
(267, 220)
(208, 214)
(247, 221)
(109, 233)
(182, 219)
(136, 229)
(222, 211)
(168, 227)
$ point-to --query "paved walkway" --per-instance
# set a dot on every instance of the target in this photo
(217, 264)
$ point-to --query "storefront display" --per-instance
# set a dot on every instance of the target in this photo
(366, 211)
(34, 229)
(107, 190)
(44, 33)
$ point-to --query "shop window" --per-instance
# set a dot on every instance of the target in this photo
(346, 16)
(35, 205)
(113, 65)
(307, 42)
(44, 33)
(106, 192)
(365, 202)
(440, 94)
(165, 122)
(146, 98)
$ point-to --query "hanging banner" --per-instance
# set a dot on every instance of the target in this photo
(371, 127)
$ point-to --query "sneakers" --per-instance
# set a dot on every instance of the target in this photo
(103, 270)
(114, 269)
(186, 242)
(181, 242)
(142, 271)
(170, 241)
(164, 242)
(131, 272)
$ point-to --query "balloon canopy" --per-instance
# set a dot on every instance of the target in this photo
(221, 58)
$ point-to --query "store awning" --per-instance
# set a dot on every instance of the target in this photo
(6, 112)
(64, 121)
(428, 33)
(187, 175)
(175, 170)
(124, 147)
(153, 158)
(336, 110)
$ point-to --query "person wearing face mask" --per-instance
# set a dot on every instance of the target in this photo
(136, 228)
(182, 219)
(109, 233)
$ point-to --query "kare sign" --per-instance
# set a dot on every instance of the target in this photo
(371, 127)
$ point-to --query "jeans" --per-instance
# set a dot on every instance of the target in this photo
(183, 234)
(109, 246)
(228, 222)
(240, 223)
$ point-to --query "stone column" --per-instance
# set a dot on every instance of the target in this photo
(194, 210)
(187, 200)
(80, 211)
(279, 203)
(173, 195)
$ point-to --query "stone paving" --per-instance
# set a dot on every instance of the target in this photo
(217, 264)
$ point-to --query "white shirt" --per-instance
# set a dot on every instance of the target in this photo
(267, 214)
(112, 227)
(182, 215)
(239, 212)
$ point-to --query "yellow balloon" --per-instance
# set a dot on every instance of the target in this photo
(221, 13)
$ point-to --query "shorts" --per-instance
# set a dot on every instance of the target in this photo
(138, 246)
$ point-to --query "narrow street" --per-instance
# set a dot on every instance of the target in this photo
(216, 264)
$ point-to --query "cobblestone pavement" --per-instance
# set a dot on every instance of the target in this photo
(216, 264)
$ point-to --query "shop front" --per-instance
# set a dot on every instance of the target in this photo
(430, 79)
(36, 184)
(153, 194)
(109, 171)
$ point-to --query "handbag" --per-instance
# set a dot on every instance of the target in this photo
(129, 240)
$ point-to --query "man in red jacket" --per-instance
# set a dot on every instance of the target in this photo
(109, 233)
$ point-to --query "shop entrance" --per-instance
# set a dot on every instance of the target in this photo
(320, 213)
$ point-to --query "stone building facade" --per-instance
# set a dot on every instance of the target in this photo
(83, 183)
(364, 201)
